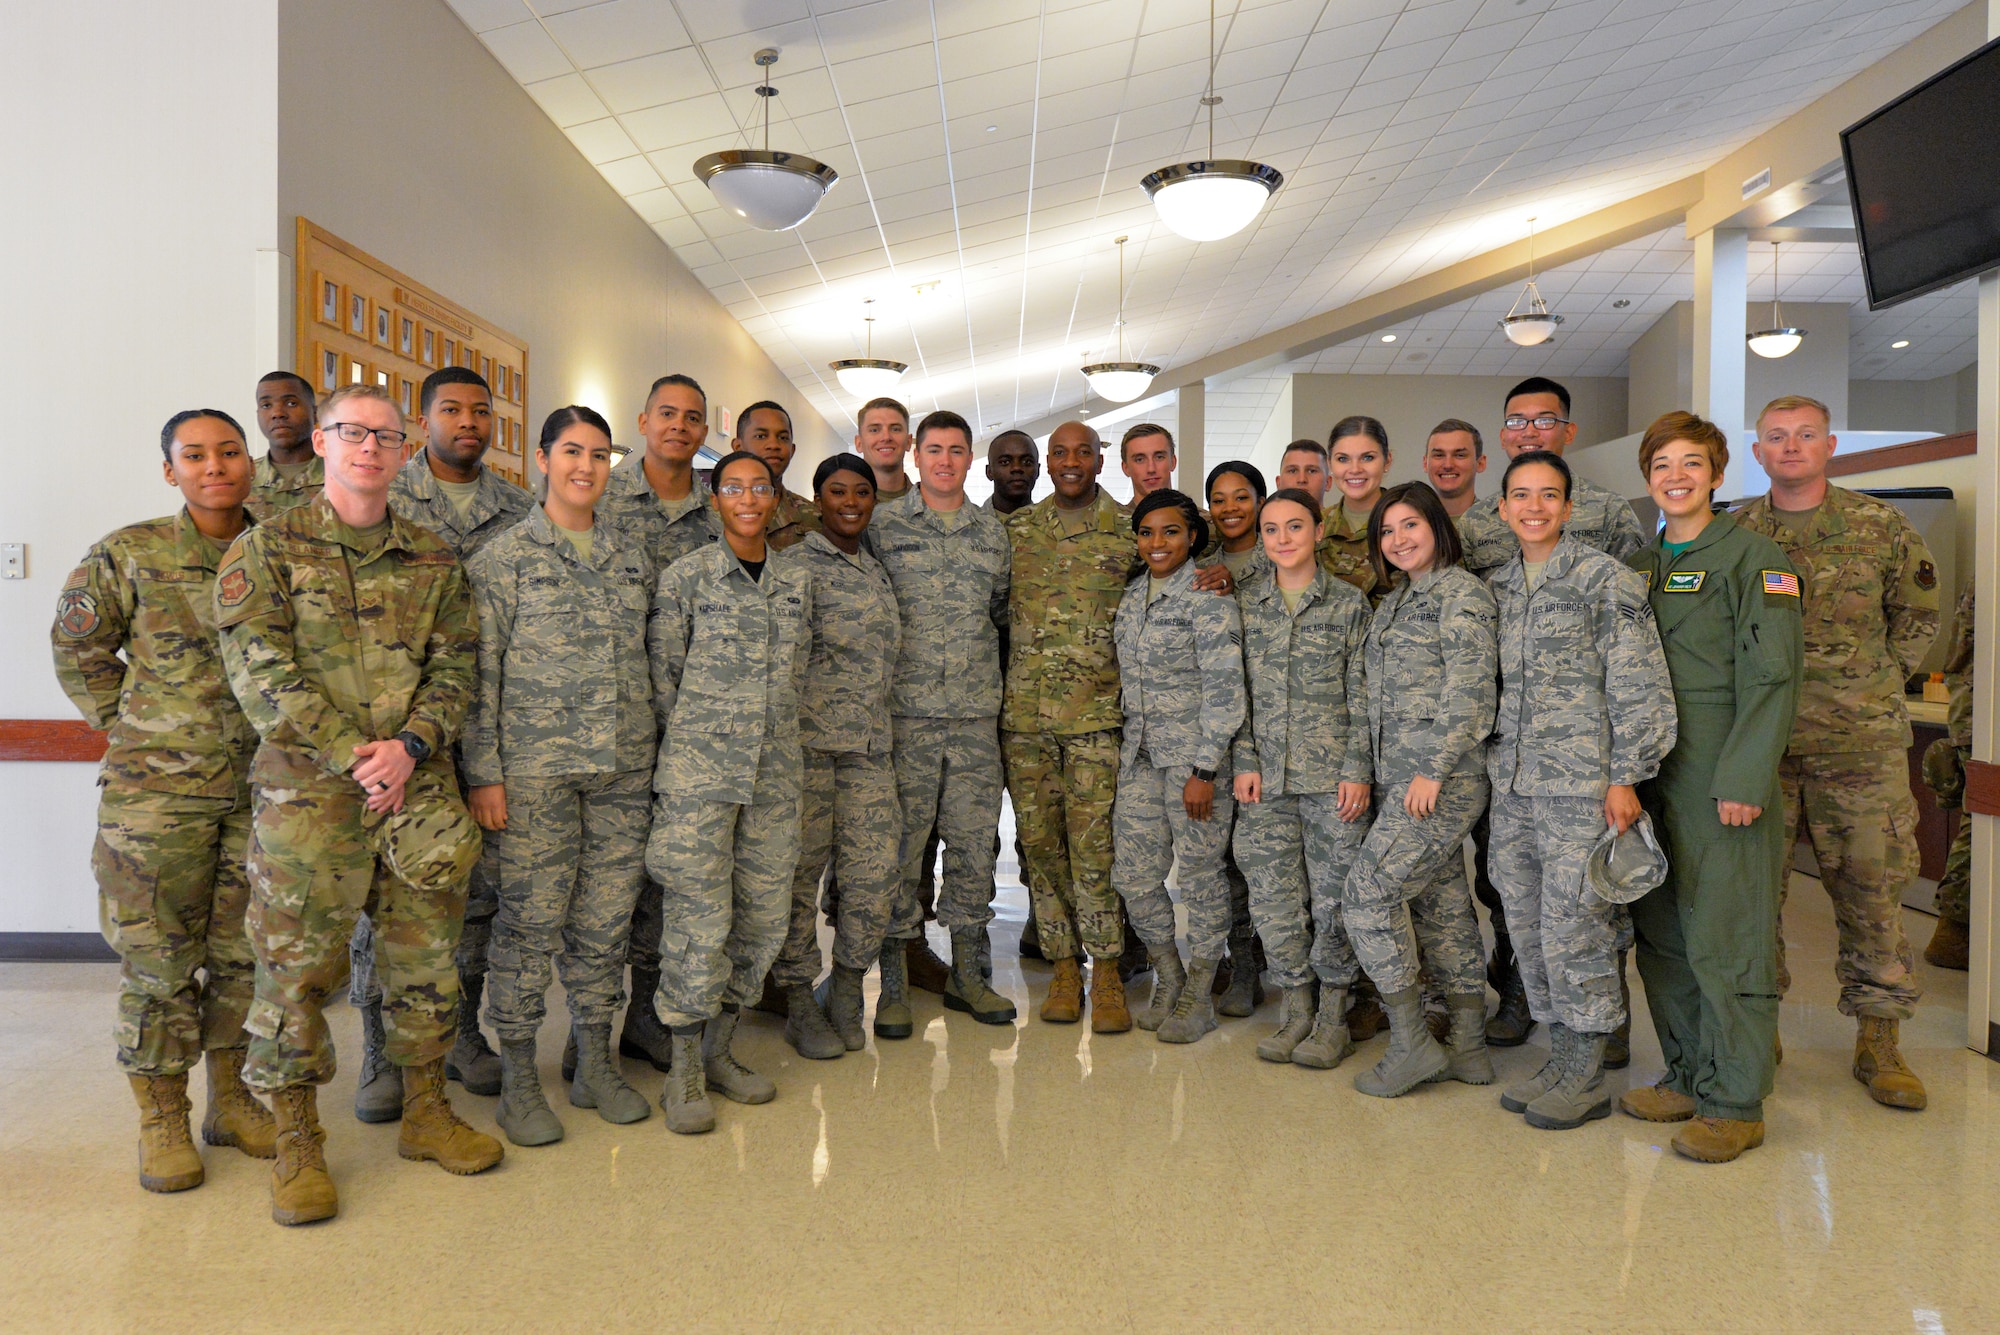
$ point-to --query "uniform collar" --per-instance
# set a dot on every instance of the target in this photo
(819, 542)
(1717, 529)
(1106, 516)
(486, 501)
(629, 479)
(401, 532)
(540, 528)
(1267, 590)
(195, 551)
(265, 474)
(1567, 553)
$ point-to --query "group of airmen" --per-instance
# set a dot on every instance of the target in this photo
(396, 723)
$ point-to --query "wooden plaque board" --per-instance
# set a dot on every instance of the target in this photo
(358, 320)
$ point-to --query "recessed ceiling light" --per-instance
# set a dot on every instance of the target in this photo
(991, 128)
(1900, 343)
(1621, 303)
(1388, 338)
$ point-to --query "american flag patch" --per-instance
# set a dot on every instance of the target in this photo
(1781, 581)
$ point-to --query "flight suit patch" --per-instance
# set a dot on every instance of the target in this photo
(1684, 581)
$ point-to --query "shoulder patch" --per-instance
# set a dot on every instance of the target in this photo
(1785, 582)
(1684, 581)
(76, 613)
(1926, 575)
(233, 587)
(1647, 575)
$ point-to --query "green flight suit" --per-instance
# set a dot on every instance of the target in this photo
(1730, 620)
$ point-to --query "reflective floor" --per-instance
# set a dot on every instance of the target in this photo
(976, 1178)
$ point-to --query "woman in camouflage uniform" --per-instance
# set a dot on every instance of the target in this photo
(1235, 495)
(1357, 458)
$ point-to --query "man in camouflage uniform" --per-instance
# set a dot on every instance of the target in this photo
(351, 641)
(1013, 468)
(1059, 721)
(949, 560)
(1871, 612)
(289, 474)
(765, 430)
(1951, 942)
(882, 437)
(135, 649)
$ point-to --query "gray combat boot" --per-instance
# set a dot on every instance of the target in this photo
(967, 990)
(1413, 1056)
(1246, 980)
(840, 997)
(644, 1038)
(1169, 978)
(379, 1095)
(523, 1113)
(724, 1074)
(806, 1028)
(471, 1062)
(892, 1006)
(685, 1099)
(1194, 1009)
(1579, 1095)
(1471, 1063)
(1329, 1043)
(1517, 1097)
(598, 1083)
(1295, 1021)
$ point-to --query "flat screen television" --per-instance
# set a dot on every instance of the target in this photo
(1924, 176)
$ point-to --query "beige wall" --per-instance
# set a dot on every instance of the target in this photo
(1660, 368)
(1947, 404)
(1661, 363)
(398, 132)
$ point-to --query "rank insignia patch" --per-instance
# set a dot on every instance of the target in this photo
(1926, 575)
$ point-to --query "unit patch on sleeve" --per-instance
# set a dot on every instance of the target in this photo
(1684, 581)
(233, 588)
(1781, 581)
(76, 613)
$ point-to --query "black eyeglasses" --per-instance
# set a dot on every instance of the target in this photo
(354, 433)
(1541, 422)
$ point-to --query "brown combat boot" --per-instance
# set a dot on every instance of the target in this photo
(1950, 945)
(926, 970)
(1717, 1139)
(168, 1160)
(1879, 1065)
(301, 1188)
(431, 1130)
(1108, 1012)
(1656, 1103)
(1366, 1018)
(1065, 1000)
(235, 1117)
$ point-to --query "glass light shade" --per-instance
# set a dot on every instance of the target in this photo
(1528, 331)
(868, 377)
(1206, 201)
(1776, 342)
(1120, 382)
(773, 192)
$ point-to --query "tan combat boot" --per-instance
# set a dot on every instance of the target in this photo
(1879, 1065)
(1065, 1000)
(1717, 1139)
(235, 1117)
(301, 1188)
(1656, 1103)
(168, 1160)
(431, 1130)
(1951, 945)
(1108, 1012)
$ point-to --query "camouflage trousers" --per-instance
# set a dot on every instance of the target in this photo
(317, 861)
(849, 820)
(1565, 938)
(1295, 851)
(1857, 809)
(1407, 892)
(1150, 830)
(726, 875)
(171, 894)
(948, 776)
(1063, 788)
(1954, 892)
(482, 901)
(571, 862)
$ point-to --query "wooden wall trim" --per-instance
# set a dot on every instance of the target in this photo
(50, 739)
(1902, 456)
(1982, 787)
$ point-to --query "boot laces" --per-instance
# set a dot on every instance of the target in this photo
(171, 1108)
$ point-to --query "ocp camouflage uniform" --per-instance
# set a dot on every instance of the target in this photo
(1598, 517)
(1305, 734)
(564, 719)
(1432, 657)
(1585, 702)
(1871, 612)
(1954, 892)
(791, 519)
(1180, 666)
(1343, 553)
(728, 656)
(851, 819)
(272, 493)
(950, 572)
(174, 816)
(332, 640)
(1059, 719)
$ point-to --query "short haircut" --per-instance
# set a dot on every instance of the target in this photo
(1167, 498)
(715, 473)
(761, 405)
(1451, 424)
(1300, 497)
(1419, 497)
(449, 375)
(1015, 433)
(1538, 384)
(175, 423)
(305, 386)
(329, 404)
(1302, 446)
(1140, 432)
(562, 419)
(1677, 425)
(1785, 403)
(944, 419)
(676, 378)
(1244, 469)
(1546, 458)
(1358, 426)
(846, 462)
(893, 405)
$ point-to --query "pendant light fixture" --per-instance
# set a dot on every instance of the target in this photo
(1535, 326)
(870, 376)
(1216, 197)
(1120, 381)
(773, 192)
(1781, 339)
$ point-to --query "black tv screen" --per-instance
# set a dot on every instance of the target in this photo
(1924, 176)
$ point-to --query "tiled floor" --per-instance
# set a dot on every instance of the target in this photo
(1037, 1177)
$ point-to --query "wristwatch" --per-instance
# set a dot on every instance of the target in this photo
(1205, 775)
(419, 749)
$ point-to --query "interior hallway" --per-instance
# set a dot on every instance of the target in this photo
(1036, 1177)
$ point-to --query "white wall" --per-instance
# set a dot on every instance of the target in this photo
(1946, 404)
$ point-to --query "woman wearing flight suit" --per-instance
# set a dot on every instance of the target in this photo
(1728, 608)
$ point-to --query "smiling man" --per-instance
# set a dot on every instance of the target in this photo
(882, 437)
(1454, 457)
(765, 430)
